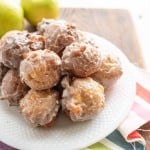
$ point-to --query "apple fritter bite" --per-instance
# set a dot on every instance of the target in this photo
(81, 59)
(12, 88)
(40, 108)
(82, 98)
(57, 33)
(15, 43)
(109, 71)
(41, 69)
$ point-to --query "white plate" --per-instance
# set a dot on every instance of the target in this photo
(65, 135)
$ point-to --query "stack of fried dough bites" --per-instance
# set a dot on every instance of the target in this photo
(52, 67)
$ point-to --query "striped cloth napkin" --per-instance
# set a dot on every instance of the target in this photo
(127, 136)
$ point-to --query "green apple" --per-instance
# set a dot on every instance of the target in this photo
(11, 16)
(35, 10)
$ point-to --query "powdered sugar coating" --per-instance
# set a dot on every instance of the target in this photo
(15, 43)
(82, 98)
(41, 69)
(42, 26)
(37, 42)
(40, 107)
(58, 34)
(81, 59)
(12, 88)
(109, 72)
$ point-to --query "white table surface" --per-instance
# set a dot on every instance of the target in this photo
(140, 12)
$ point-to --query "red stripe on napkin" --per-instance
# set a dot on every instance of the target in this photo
(134, 135)
(142, 92)
(141, 111)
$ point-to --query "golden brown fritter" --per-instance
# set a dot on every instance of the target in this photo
(84, 37)
(41, 69)
(82, 98)
(109, 72)
(12, 88)
(15, 43)
(36, 41)
(40, 108)
(3, 71)
(81, 59)
(42, 26)
(58, 34)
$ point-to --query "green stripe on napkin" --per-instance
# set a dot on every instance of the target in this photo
(98, 146)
